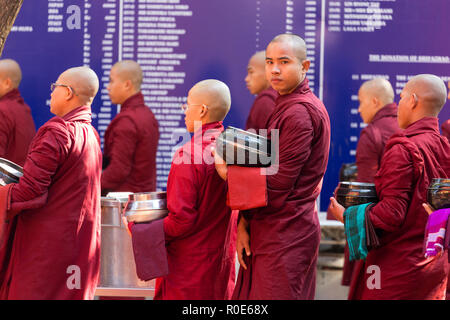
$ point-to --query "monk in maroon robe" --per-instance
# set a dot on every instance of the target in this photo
(16, 123)
(445, 127)
(398, 269)
(378, 110)
(54, 249)
(199, 233)
(278, 244)
(257, 84)
(131, 139)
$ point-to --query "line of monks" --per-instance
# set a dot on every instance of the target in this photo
(50, 220)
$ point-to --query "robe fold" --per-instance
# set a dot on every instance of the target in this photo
(261, 110)
(411, 159)
(368, 158)
(16, 127)
(131, 141)
(200, 229)
(446, 129)
(285, 234)
(55, 251)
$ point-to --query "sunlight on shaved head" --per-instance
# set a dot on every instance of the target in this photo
(84, 82)
(215, 95)
(297, 44)
(10, 69)
(129, 70)
(379, 88)
(430, 91)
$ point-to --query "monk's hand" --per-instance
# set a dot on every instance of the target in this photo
(242, 242)
(428, 208)
(336, 209)
(221, 165)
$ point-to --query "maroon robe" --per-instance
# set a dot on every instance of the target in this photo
(199, 239)
(285, 235)
(446, 129)
(131, 141)
(368, 158)
(411, 159)
(55, 251)
(261, 110)
(16, 127)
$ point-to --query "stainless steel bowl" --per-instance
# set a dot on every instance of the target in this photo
(9, 172)
(146, 206)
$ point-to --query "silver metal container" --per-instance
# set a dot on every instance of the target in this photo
(146, 206)
(117, 266)
(9, 172)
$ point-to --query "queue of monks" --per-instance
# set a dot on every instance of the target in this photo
(50, 220)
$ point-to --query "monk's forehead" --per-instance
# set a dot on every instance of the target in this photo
(276, 50)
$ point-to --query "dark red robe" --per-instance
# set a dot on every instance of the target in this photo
(200, 229)
(131, 141)
(285, 235)
(411, 159)
(368, 158)
(446, 129)
(261, 110)
(16, 127)
(55, 251)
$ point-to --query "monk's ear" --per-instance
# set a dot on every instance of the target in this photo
(129, 85)
(415, 100)
(305, 65)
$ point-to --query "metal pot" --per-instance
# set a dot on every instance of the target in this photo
(9, 172)
(146, 206)
(350, 193)
(244, 148)
(438, 194)
(117, 266)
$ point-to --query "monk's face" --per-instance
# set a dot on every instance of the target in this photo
(284, 70)
(195, 111)
(60, 96)
(405, 107)
(117, 87)
(256, 77)
(367, 105)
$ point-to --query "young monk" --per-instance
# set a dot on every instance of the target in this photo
(258, 85)
(198, 231)
(398, 269)
(54, 252)
(278, 244)
(131, 139)
(378, 109)
(16, 123)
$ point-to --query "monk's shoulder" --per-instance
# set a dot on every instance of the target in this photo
(56, 127)
(296, 116)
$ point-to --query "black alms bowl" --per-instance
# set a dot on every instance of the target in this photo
(349, 193)
(439, 193)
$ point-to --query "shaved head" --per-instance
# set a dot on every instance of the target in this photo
(259, 58)
(83, 81)
(215, 95)
(297, 44)
(423, 96)
(430, 91)
(129, 70)
(379, 88)
(10, 69)
(256, 78)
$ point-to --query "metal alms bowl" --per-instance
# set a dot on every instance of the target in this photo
(9, 172)
(244, 148)
(146, 206)
(438, 193)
